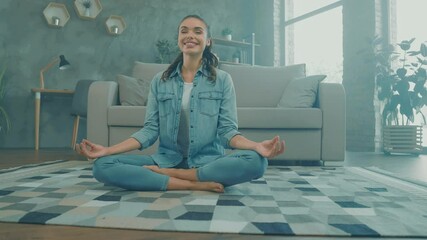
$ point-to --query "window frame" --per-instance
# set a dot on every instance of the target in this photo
(288, 50)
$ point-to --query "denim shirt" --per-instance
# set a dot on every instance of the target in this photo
(213, 118)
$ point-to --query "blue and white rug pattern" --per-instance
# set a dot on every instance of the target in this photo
(309, 201)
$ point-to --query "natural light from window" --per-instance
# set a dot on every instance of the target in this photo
(410, 18)
(317, 40)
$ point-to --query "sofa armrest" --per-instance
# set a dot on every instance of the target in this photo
(332, 103)
(102, 95)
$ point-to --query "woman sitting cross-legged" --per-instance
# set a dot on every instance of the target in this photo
(191, 109)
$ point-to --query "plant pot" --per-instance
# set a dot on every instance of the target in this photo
(402, 139)
(228, 37)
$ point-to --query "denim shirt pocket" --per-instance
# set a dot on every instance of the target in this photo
(165, 103)
(209, 102)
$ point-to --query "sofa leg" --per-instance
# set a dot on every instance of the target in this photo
(75, 131)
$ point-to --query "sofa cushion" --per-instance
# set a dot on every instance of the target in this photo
(301, 92)
(133, 91)
(147, 70)
(258, 86)
(126, 116)
(268, 118)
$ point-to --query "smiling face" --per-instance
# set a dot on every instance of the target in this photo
(193, 36)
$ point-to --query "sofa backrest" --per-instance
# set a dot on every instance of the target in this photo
(255, 86)
(147, 71)
(258, 86)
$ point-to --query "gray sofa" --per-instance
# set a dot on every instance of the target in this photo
(313, 133)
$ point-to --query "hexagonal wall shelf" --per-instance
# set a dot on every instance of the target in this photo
(87, 13)
(56, 14)
(115, 25)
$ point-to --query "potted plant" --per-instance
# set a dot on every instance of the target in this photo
(401, 87)
(167, 51)
(5, 123)
(226, 33)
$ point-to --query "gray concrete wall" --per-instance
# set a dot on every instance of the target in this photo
(358, 75)
(28, 43)
(265, 32)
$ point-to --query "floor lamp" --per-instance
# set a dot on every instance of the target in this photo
(63, 64)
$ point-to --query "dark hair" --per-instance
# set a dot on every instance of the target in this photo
(210, 61)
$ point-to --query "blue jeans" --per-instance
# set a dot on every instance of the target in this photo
(127, 171)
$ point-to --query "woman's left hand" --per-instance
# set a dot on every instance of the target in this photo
(271, 148)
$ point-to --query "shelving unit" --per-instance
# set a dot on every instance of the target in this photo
(247, 49)
(56, 14)
(115, 25)
(90, 13)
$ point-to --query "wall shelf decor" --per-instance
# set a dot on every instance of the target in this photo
(56, 14)
(115, 25)
(246, 49)
(87, 13)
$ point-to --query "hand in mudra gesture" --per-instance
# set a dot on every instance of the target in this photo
(271, 148)
(90, 150)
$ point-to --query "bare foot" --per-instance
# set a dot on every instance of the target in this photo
(209, 186)
(185, 174)
(185, 179)
(180, 184)
(154, 168)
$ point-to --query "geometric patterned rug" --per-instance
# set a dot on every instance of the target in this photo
(292, 201)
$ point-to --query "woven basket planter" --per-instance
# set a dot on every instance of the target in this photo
(402, 139)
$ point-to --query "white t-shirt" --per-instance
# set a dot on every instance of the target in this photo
(183, 132)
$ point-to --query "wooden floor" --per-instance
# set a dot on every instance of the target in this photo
(411, 166)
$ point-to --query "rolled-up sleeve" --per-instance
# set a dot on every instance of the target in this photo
(227, 122)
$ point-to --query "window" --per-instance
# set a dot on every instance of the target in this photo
(313, 35)
(409, 23)
(406, 24)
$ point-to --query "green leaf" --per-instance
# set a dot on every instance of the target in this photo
(2, 83)
(423, 50)
(413, 53)
(406, 107)
(5, 118)
(401, 72)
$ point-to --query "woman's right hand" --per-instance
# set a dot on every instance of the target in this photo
(91, 150)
